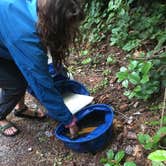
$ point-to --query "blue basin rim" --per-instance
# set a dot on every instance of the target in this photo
(94, 134)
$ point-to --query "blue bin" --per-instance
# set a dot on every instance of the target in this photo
(98, 138)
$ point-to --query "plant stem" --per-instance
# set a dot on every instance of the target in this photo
(163, 109)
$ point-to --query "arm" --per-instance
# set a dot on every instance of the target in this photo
(32, 62)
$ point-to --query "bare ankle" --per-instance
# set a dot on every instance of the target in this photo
(4, 121)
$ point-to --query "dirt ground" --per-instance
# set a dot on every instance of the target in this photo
(36, 146)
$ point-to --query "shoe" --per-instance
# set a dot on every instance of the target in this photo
(7, 126)
(22, 113)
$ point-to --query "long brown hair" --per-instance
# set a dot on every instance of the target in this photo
(58, 26)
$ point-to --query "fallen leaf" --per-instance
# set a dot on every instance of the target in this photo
(137, 151)
(124, 107)
(131, 135)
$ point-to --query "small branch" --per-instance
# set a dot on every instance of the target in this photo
(148, 58)
(163, 109)
(163, 67)
(155, 55)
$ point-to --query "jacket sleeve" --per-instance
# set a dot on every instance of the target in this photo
(18, 34)
(32, 62)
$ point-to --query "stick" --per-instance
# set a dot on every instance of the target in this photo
(155, 55)
(163, 109)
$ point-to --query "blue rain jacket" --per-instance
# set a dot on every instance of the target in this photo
(20, 42)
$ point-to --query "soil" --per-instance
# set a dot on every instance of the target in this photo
(35, 145)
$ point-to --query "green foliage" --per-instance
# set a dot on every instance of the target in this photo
(86, 61)
(130, 25)
(84, 52)
(110, 59)
(156, 122)
(144, 77)
(138, 75)
(157, 163)
(157, 157)
(106, 72)
(155, 107)
(115, 159)
(129, 163)
(152, 143)
(100, 85)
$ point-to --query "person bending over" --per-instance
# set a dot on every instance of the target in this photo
(28, 29)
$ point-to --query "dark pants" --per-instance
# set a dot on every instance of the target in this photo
(12, 87)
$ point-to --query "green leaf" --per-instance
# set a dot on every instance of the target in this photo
(149, 146)
(132, 94)
(122, 75)
(162, 131)
(103, 160)
(84, 53)
(144, 79)
(134, 78)
(132, 65)
(156, 138)
(119, 156)
(129, 163)
(127, 93)
(125, 83)
(131, 45)
(143, 138)
(123, 69)
(110, 154)
(137, 88)
(146, 67)
(86, 61)
(158, 155)
(110, 60)
(107, 164)
(157, 163)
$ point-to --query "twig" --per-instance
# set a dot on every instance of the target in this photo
(149, 58)
(123, 115)
(163, 109)
(155, 55)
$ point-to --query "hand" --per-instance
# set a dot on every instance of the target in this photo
(73, 128)
(73, 131)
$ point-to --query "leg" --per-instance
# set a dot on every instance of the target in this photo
(37, 113)
(13, 86)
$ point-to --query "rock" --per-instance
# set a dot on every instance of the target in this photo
(48, 133)
(120, 137)
(142, 110)
(137, 113)
(124, 107)
(30, 149)
(119, 87)
(129, 149)
(130, 120)
(114, 147)
(143, 127)
(136, 104)
(113, 80)
(137, 151)
(131, 135)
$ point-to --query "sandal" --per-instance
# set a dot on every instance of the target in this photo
(7, 126)
(21, 113)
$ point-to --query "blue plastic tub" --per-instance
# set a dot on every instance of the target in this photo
(98, 138)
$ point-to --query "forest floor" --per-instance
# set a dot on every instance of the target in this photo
(36, 146)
